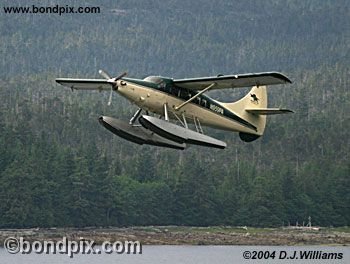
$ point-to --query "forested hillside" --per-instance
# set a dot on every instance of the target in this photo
(59, 167)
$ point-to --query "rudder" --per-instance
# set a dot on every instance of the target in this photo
(255, 99)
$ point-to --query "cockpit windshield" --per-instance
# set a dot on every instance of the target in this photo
(153, 79)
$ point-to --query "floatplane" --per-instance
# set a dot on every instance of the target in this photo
(177, 103)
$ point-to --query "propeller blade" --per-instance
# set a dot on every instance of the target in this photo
(120, 76)
(104, 74)
(110, 97)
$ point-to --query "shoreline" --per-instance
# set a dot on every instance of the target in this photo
(184, 235)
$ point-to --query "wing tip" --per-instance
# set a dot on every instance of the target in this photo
(281, 76)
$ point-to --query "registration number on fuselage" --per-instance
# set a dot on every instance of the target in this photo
(217, 109)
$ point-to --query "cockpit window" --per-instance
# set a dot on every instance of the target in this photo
(153, 79)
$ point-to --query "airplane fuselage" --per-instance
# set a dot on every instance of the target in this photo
(152, 96)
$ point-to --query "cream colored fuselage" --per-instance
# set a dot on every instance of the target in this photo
(153, 100)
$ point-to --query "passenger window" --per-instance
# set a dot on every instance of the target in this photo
(174, 91)
(183, 94)
(162, 86)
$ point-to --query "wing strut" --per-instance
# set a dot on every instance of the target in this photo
(195, 96)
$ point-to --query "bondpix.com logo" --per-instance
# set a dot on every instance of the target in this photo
(15, 245)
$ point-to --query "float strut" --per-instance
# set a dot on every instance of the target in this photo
(135, 116)
(166, 116)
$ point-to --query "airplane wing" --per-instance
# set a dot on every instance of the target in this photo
(85, 84)
(233, 81)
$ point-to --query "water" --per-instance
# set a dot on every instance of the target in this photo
(184, 255)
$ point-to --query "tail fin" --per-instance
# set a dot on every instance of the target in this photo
(255, 99)
(253, 108)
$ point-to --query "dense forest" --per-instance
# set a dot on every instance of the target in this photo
(59, 167)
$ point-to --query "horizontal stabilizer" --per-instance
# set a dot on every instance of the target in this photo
(269, 111)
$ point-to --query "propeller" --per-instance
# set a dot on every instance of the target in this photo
(110, 97)
(112, 81)
(104, 74)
